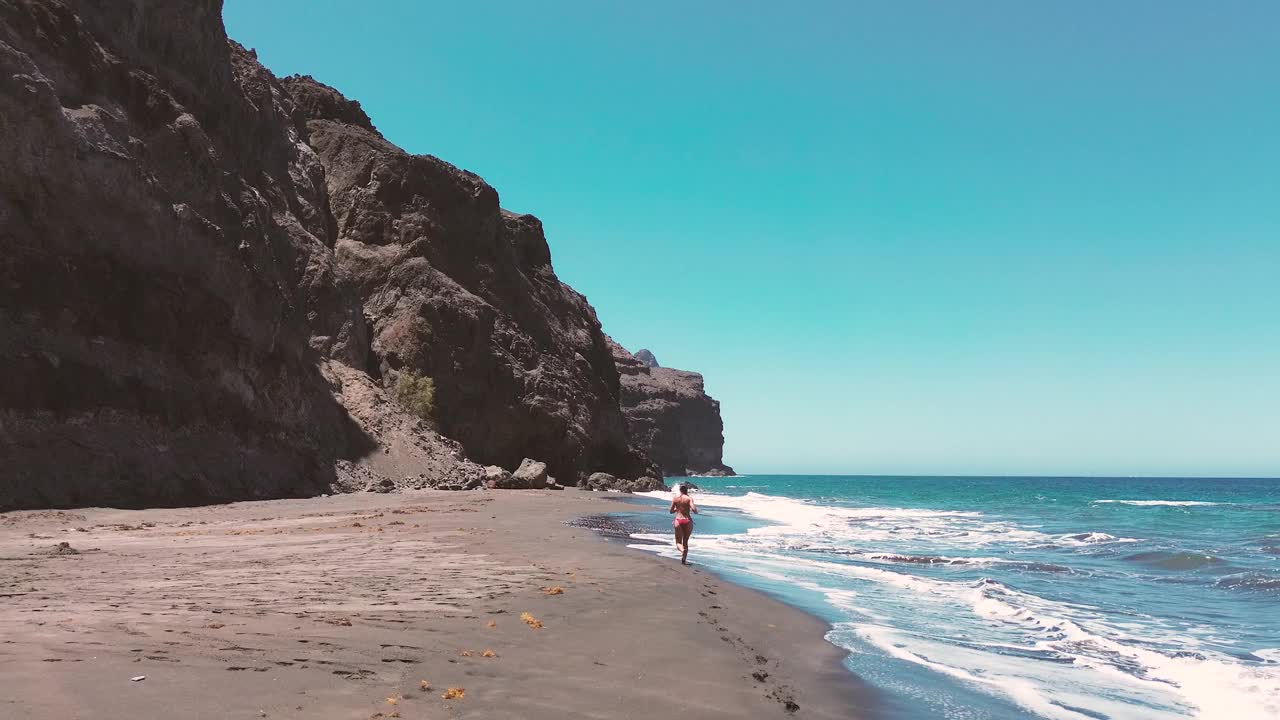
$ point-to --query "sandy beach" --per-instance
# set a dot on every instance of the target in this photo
(375, 606)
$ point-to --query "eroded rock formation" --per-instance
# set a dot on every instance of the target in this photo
(460, 290)
(669, 415)
(172, 324)
(210, 282)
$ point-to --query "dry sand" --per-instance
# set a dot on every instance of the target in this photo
(341, 607)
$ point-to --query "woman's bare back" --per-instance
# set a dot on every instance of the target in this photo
(683, 505)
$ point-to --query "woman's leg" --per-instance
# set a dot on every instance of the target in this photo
(687, 528)
(679, 532)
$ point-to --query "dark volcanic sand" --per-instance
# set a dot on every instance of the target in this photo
(333, 607)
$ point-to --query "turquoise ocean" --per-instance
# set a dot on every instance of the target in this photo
(993, 598)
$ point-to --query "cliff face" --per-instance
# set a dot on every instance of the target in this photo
(211, 281)
(459, 290)
(670, 416)
(173, 325)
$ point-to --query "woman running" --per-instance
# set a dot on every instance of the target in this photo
(684, 508)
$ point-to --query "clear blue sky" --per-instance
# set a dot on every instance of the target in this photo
(931, 237)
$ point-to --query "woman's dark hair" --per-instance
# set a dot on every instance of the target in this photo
(684, 488)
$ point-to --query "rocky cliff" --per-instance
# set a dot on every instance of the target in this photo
(459, 290)
(172, 325)
(210, 281)
(669, 415)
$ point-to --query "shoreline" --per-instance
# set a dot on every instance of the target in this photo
(338, 606)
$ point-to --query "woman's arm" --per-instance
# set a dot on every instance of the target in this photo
(673, 507)
(693, 507)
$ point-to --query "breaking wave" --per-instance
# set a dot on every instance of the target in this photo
(1156, 503)
(909, 584)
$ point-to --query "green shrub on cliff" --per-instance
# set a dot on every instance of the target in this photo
(417, 394)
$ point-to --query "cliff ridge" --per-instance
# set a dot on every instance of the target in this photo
(670, 416)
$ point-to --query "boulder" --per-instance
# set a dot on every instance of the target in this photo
(600, 481)
(605, 481)
(497, 478)
(646, 484)
(530, 474)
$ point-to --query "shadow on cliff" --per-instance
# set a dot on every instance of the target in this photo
(106, 429)
(167, 284)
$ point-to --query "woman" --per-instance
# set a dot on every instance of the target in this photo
(684, 508)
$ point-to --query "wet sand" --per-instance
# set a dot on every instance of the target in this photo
(345, 606)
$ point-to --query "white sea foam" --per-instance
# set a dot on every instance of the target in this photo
(1093, 538)
(1217, 686)
(1101, 656)
(1045, 689)
(1063, 661)
(1155, 503)
(933, 559)
(827, 527)
(838, 526)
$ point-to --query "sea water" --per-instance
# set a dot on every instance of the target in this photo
(969, 598)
